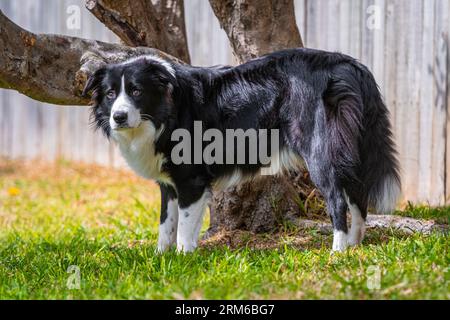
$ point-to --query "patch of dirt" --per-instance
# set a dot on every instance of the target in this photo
(236, 239)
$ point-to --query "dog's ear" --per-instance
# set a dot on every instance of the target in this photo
(94, 81)
(158, 73)
(166, 77)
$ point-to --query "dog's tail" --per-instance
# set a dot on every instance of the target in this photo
(361, 137)
(380, 167)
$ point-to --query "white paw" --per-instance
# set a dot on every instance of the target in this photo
(161, 249)
(163, 245)
(186, 247)
(340, 242)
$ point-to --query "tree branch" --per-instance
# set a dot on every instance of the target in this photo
(254, 30)
(157, 24)
(383, 222)
(54, 68)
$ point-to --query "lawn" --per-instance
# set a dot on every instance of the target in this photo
(67, 222)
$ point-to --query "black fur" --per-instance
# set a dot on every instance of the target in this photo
(167, 193)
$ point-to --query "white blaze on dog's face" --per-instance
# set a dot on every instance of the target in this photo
(128, 94)
(124, 113)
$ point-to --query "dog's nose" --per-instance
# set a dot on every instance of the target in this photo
(120, 117)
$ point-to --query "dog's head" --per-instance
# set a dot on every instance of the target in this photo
(127, 94)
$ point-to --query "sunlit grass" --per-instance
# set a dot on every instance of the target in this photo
(439, 214)
(105, 221)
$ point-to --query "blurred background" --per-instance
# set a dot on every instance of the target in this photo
(403, 42)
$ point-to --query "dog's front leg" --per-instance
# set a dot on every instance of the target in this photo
(169, 218)
(191, 208)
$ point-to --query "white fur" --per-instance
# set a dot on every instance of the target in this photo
(229, 181)
(283, 161)
(358, 227)
(124, 103)
(339, 240)
(387, 200)
(137, 146)
(190, 222)
(166, 64)
(168, 229)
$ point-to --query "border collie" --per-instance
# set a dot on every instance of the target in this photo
(326, 106)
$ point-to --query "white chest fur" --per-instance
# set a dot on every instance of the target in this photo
(137, 146)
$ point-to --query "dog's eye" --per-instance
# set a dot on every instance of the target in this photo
(111, 94)
(136, 92)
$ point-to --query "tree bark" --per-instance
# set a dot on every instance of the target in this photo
(155, 24)
(390, 222)
(262, 205)
(256, 29)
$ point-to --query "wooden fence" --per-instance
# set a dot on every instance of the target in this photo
(404, 42)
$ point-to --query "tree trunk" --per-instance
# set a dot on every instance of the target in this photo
(258, 28)
(263, 205)
(155, 24)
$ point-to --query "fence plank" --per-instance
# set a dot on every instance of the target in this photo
(447, 151)
(440, 70)
(426, 108)
(379, 32)
(311, 31)
(357, 24)
(332, 30)
(390, 65)
(344, 13)
(411, 29)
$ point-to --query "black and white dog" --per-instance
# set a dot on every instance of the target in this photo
(326, 107)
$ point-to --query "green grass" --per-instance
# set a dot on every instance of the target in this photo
(105, 223)
(439, 214)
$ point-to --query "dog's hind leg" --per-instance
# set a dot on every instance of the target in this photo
(326, 180)
(328, 184)
(168, 219)
(337, 208)
(191, 209)
(358, 212)
(357, 229)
